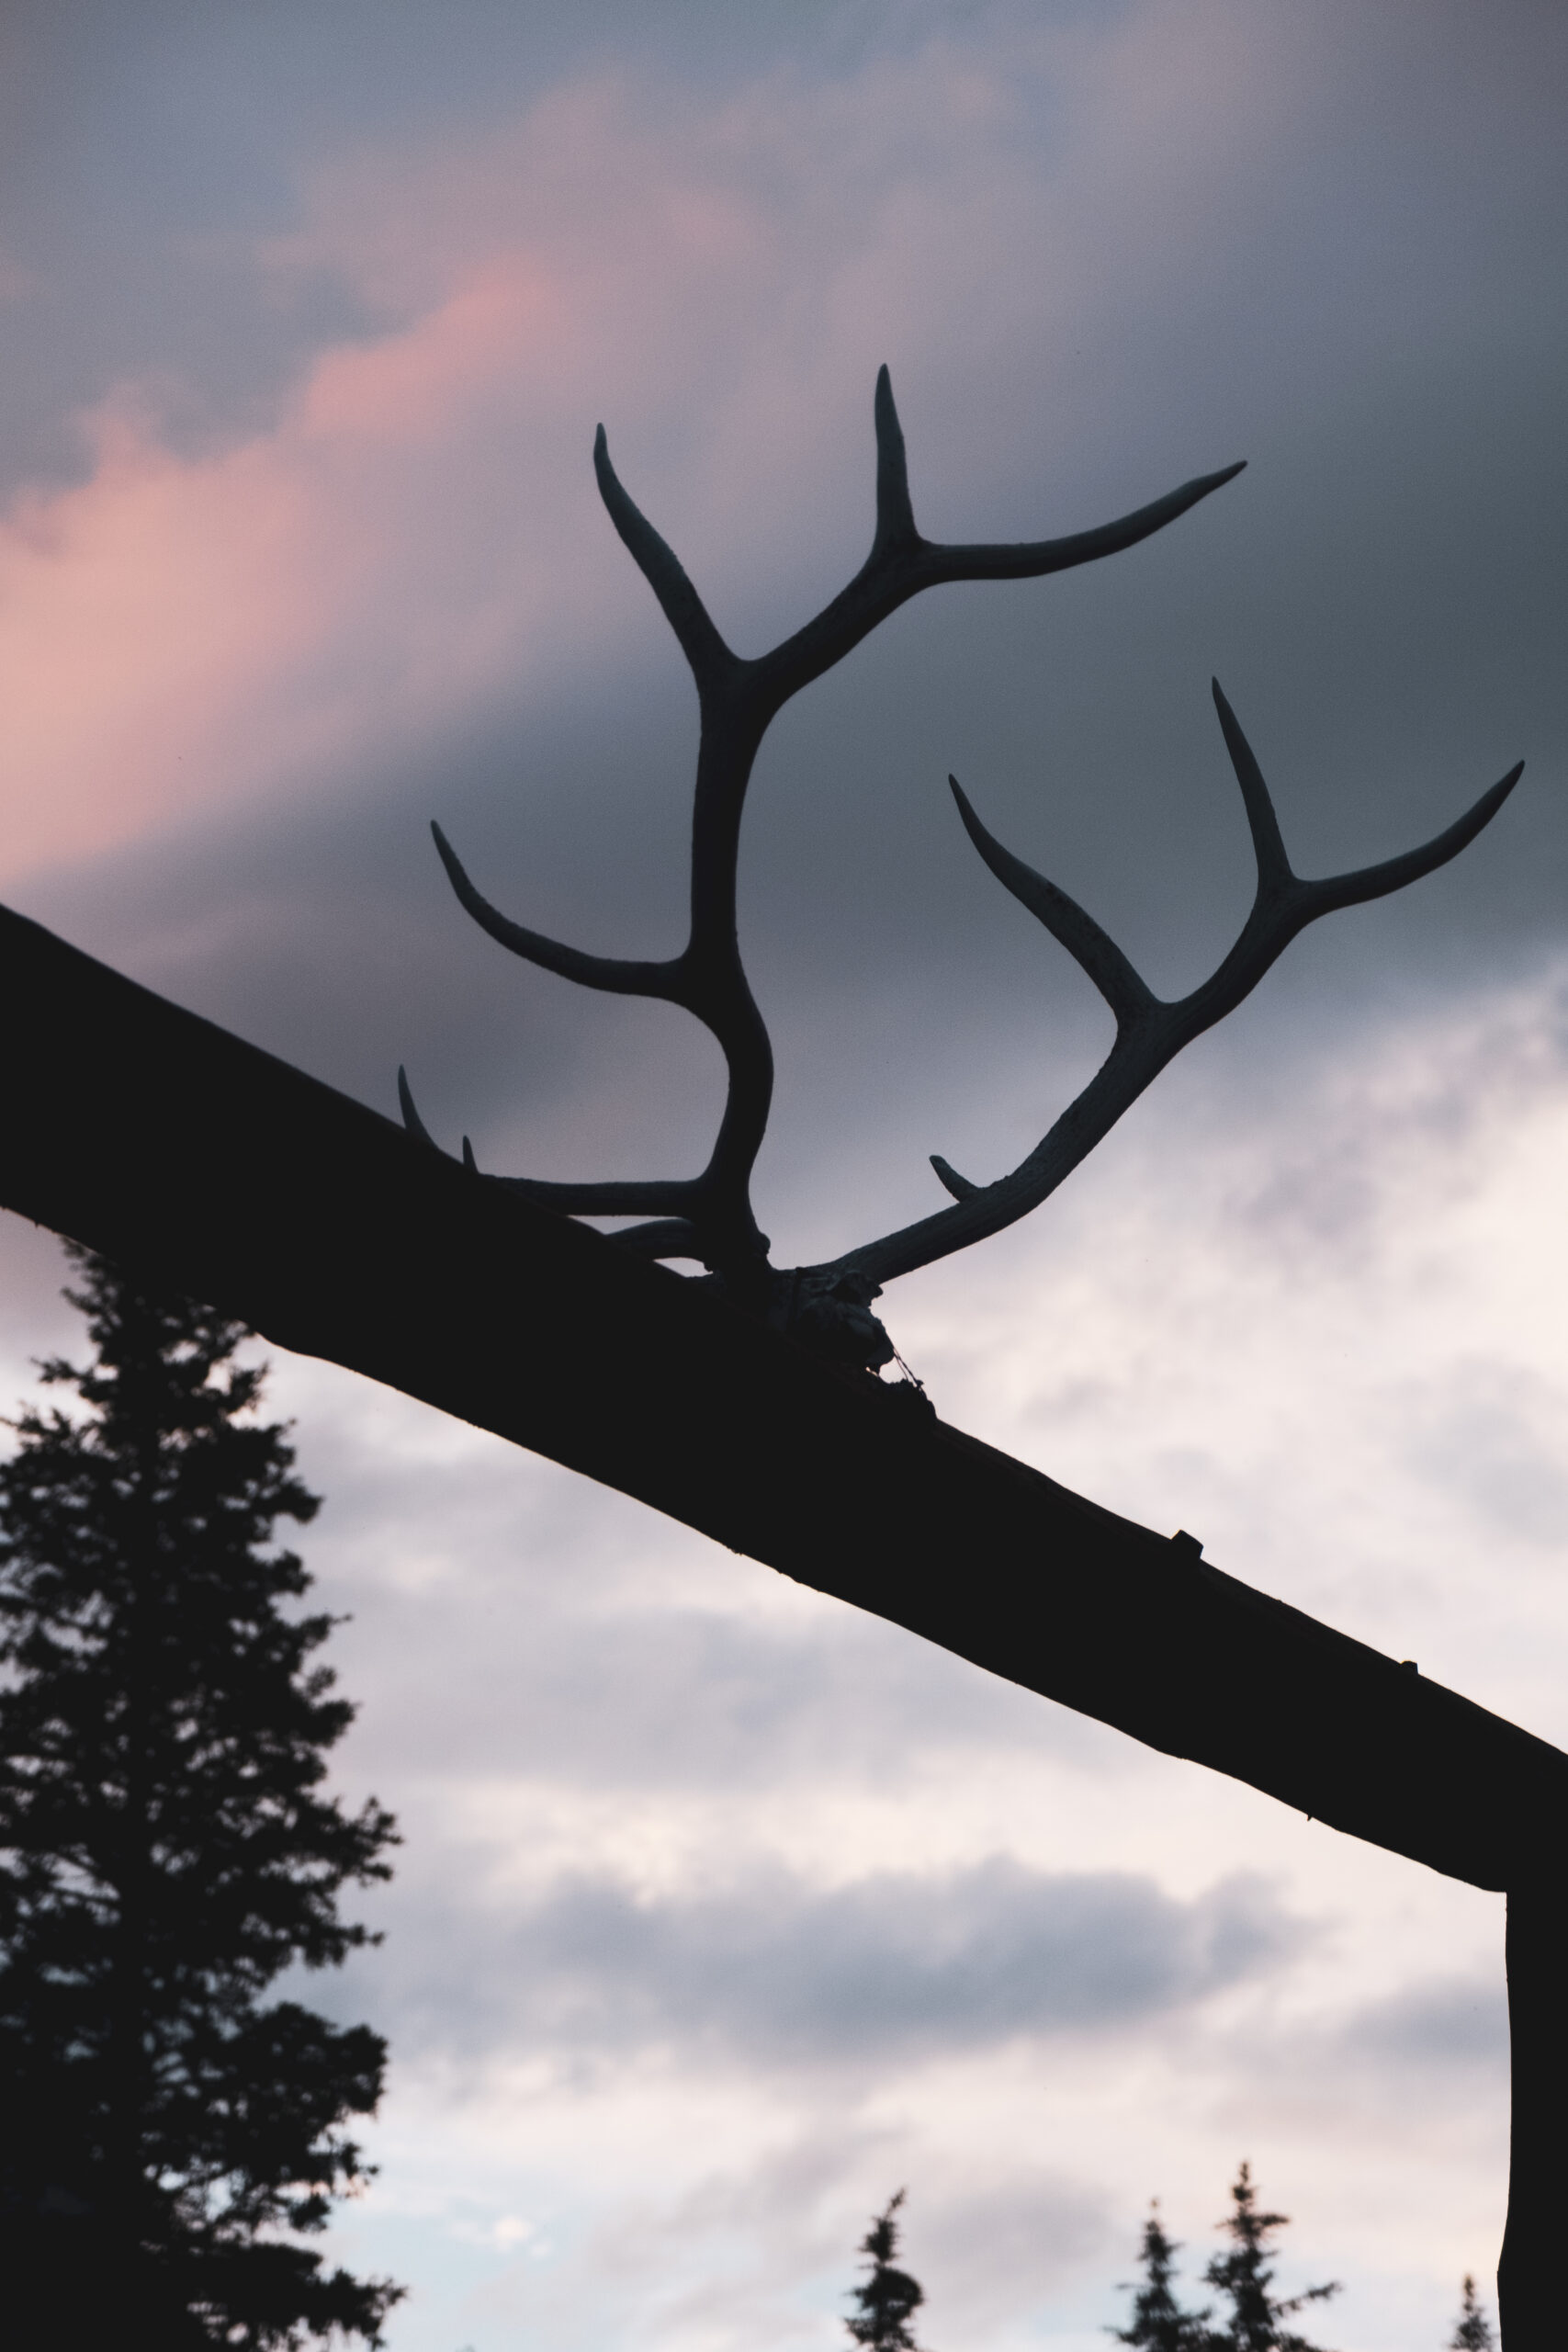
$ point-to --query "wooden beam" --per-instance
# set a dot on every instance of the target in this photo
(156, 1136)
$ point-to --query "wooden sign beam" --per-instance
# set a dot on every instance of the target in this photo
(160, 1139)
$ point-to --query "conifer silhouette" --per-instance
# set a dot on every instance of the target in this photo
(1245, 2277)
(1159, 2323)
(886, 2298)
(1473, 2330)
(165, 1852)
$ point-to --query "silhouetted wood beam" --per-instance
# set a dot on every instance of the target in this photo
(149, 1133)
(159, 1138)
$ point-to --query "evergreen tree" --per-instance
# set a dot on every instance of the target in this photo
(1473, 2333)
(165, 1852)
(1158, 2320)
(1245, 2276)
(886, 2298)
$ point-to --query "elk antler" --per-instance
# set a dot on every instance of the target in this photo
(1149, 1032)
(709, 1216)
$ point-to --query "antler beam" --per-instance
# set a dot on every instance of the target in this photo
(710, 1216)
(1149, 1031)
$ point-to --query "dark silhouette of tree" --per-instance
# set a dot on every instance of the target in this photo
(165, 1852)
(1245, 2277)
(1473, 2331)
(1158, 2320)
(886, 2298)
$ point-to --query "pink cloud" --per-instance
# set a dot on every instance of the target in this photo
(416, 529)
(176, 631)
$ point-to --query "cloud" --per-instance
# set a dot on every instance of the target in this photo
(1456, 2024)
(586, 1678)
(182, 632)
(411, 539)
(1324, 1278)
(771, 1973)
(1488, 1436)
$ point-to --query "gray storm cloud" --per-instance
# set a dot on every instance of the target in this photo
(895, 1967)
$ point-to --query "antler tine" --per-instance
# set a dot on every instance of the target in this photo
(1034, 558)
(616, 1199)
(901, 563)
(959, 1186)
(1123, 988)
(711, 660)
(895, 514)
(411, 1119)
(1274, 874)
(1282, 893)
(1119, 982)
(1335, 890)
(622, 976)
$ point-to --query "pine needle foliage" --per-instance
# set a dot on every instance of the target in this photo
(1245, 2277)
(886, 2298)
(1473, 2330)
(166, 2133)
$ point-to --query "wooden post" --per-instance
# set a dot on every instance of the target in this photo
(1533, 2276)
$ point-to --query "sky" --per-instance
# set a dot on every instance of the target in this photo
(723, 1912)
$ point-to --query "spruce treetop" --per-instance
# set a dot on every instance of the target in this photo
(1245, 2277)
(1158, 2322)
(1472, 2332)
(886, 2298)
